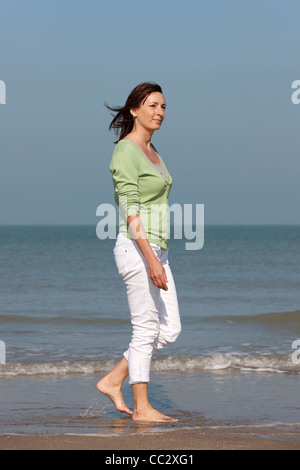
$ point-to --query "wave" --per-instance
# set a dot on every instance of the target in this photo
(275, 363)
(280, 363)
(285, 318)
(84, 319)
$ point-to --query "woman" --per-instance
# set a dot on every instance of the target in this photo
(142, 184)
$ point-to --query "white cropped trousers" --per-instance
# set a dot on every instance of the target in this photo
(154, 312)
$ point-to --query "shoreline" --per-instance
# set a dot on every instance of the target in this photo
(244, 438)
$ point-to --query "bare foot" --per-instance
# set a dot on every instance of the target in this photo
(114, 393)
(149, 414)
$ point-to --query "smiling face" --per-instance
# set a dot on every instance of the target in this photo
(151, 113)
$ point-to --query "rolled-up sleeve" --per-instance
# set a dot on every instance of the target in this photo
(125, 173)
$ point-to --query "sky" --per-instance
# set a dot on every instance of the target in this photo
(230, 138)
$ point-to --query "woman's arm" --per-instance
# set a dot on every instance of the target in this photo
(156, 270)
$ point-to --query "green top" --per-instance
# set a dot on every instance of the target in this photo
(142, 189)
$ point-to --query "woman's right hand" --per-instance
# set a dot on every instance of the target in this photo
(157, 274)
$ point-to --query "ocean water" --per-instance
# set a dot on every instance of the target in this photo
(64, 319)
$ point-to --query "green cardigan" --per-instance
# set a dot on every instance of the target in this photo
(141, 189)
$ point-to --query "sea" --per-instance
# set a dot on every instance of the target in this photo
(64, 323)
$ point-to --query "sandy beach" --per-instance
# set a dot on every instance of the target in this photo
(209, 439)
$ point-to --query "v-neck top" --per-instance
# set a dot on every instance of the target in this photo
(159, 166)
(141, 188)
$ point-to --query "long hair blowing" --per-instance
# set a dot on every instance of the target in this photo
(123, 120)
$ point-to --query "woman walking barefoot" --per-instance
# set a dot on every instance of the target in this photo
(142, 184)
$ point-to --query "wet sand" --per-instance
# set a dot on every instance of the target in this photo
(209, 439)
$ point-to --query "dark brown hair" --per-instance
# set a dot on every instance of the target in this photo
(123, 120)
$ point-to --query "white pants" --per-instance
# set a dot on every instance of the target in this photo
(154, 312)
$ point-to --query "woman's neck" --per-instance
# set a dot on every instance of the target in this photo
(142, 139)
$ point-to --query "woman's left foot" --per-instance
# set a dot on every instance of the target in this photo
(150, 415)
(114, 393)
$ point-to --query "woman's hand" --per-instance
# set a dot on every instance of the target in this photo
(156, 270)
(157, 274)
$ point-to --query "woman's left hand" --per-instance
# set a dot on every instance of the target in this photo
(157, 274)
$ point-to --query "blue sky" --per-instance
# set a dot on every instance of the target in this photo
(231, 134)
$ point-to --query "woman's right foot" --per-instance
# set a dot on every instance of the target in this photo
(114, 393)
(150, 415)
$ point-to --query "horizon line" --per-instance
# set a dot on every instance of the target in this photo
(235, 224)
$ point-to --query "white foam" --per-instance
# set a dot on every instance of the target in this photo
(275, 363)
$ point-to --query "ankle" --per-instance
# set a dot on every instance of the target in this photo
(141, 408)
(110, 381)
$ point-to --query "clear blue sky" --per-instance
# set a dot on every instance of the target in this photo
(231, 134)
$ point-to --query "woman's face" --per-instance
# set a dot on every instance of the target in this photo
(151, 113)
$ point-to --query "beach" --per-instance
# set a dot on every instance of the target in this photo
(259, 438)
(231, 379)
(216, 410)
